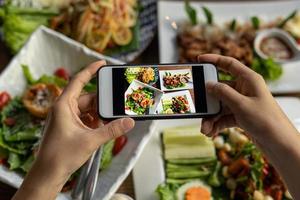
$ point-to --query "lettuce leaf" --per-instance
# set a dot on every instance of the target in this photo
(14, 161)
(107, 155)
(166, 192)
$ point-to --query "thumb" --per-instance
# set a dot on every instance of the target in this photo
(224, 93)
(113, 130)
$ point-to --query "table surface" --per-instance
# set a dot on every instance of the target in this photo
(150, 56)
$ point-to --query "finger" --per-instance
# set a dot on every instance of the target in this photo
(207, 126)
(226, 64)
(87, 102)
(230, 83)
(76, 85)
(90, 120)
(113, 130)
(226, 121)
(225, 93)
(208, 123)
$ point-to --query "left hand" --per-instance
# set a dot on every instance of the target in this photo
(68, 138)
(67, 141)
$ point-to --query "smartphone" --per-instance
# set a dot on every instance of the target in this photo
(163, 91)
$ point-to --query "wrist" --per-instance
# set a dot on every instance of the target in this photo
(42, 182)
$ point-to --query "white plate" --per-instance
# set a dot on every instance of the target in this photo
(45, 51)
(170, 95)
(171, 11)
(136, 85)
(188, 85)
(148, 172)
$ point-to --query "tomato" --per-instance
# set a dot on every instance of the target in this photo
(4, 99)
(10, 121)
(119, 144)
(298, 41)
(62, 73)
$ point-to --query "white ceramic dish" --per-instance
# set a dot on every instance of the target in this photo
(172, 12)
(45, 51)
(283, 36)
(148, 172)
(136, 85)
(188, 85)
(170, 95)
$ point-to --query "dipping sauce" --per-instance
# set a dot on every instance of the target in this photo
(276, 48)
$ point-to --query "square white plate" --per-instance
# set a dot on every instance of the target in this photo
(136, 85)
(170, 95)
(188, 85)
(149, 172)
(45, 51)
(173, 11)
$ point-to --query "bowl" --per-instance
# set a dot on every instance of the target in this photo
(284, 38)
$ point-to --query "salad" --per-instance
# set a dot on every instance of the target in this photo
(177, 105)
(140, 100)
(176, 80)
(110, 27)
(233, 38)
(146, 75)
(105, 26)
(227, 167)
(22, 119)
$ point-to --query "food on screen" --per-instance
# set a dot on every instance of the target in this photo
(140, 100)
(176, 80)
(155, 90)
(146, 75)
(177, 105)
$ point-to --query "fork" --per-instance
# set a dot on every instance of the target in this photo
(92, 177)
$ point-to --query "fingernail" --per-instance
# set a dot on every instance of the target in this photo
(127, 124)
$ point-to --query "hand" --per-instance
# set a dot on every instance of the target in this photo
(68, 140)
(248, 104)
(246, 101)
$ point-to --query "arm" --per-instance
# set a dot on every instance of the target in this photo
(68, 141)
(248, 104)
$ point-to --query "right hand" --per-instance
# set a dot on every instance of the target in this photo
(247, 102)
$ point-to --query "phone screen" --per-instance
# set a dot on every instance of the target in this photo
(161, 90)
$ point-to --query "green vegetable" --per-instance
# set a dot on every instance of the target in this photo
(192, 161)
(28, 75)
(225, 77)
(269, 69)
(19, 138)
(255, 22)
(208, 14)
(52, 80)
(107, 154)
(213, 179)
(2, 13)
(180, 181)
(27, 11)
(188, 174)
(166, 192)
(6, 146)
(14, 161)
(175, 167)
(33, 133)
(27, 164)
(232, 26)
(289, 17)
(90, 87)
(19, 23)
(191, 12)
